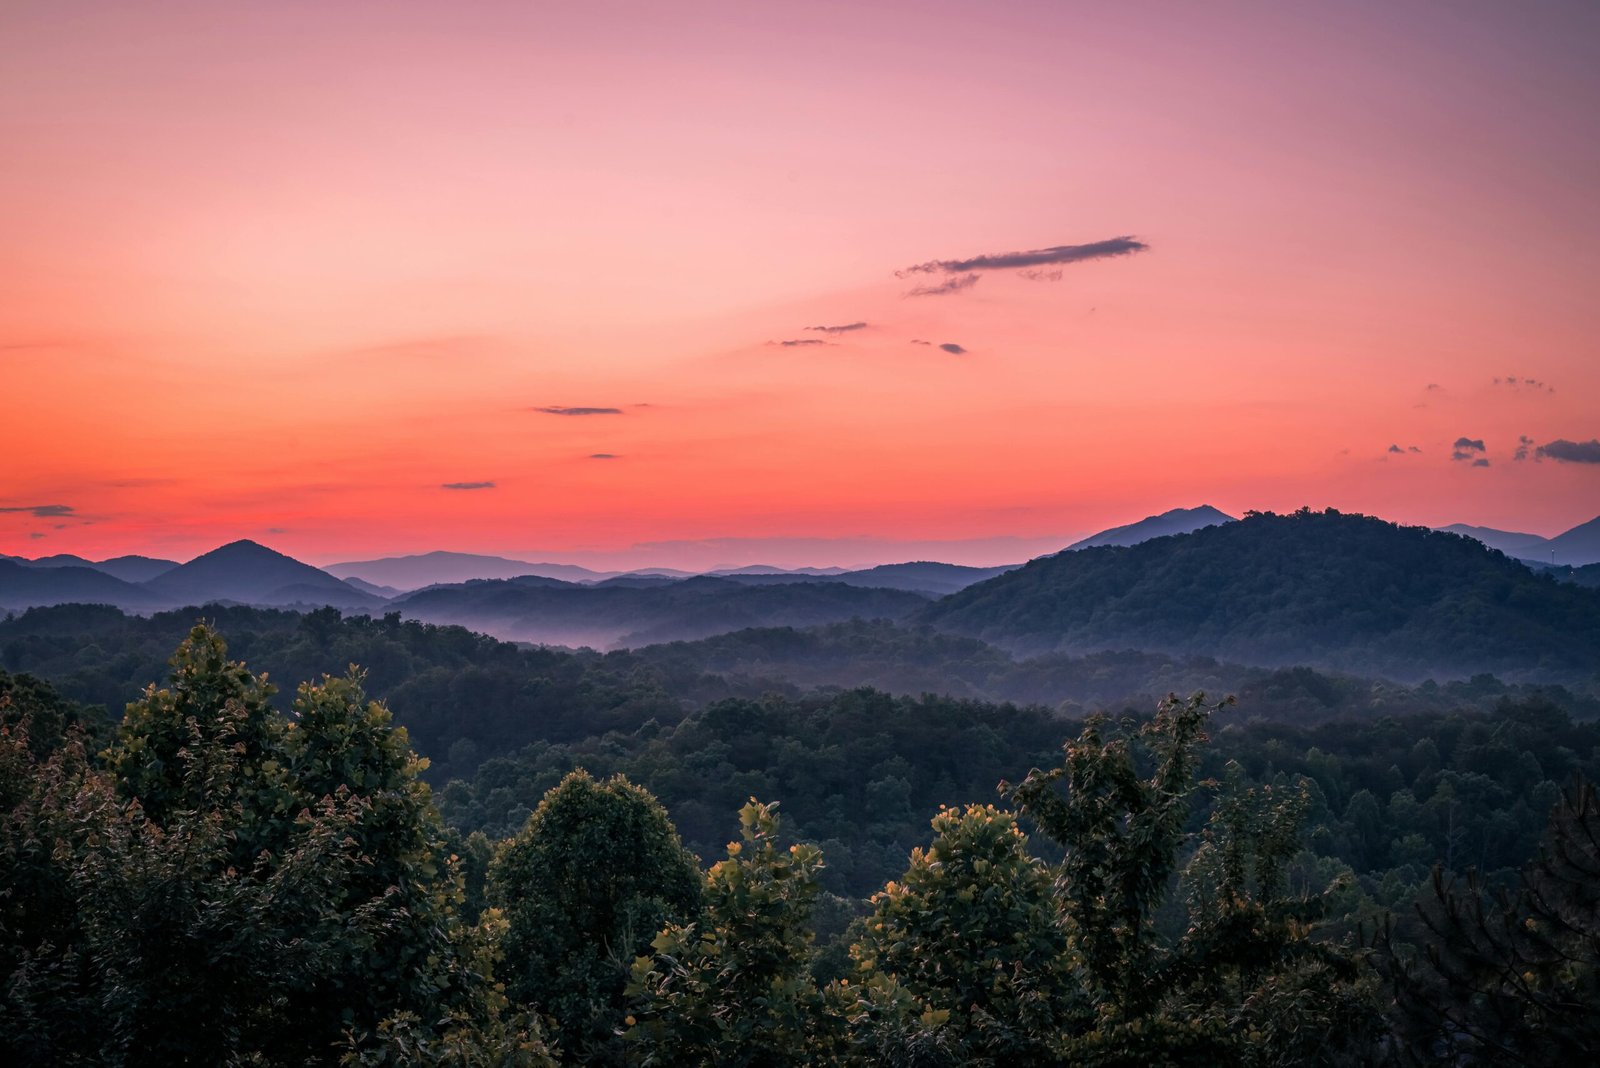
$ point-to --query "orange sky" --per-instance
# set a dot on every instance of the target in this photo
(287, 271)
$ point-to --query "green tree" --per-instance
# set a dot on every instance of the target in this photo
(595, 873)
(733, 987)
(964, 960)
(1502, 977)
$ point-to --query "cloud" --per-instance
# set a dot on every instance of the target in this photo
(1480, 463)
(1434, 387)
(1521, 385)
(1396, 448)
(799, 341)
(1524, 443)
(42, 511)
(1039, 274)
(1465, 447)
(952, 348)
(1571, 452)
(919, 341)
(602, 456)
(844, 328)
(467, 485)
(1040, 257)
(36, 535)
(556, 409)
(1412, 448)
(952, 285)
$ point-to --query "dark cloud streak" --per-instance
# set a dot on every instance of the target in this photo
(1571, 452)
(557, 409)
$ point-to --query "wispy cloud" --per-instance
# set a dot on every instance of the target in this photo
(1465, 448)
(952, 285)
(467, 485)
(1524, 443)
(843, 328)
(602, 456)
(1524, 385)
(1571, 452)
(953, 349)
(799, 341)
(556, 409)
(41, 511)
(1040, 264)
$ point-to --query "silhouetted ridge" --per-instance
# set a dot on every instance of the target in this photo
(252, 573)
(1342, 591)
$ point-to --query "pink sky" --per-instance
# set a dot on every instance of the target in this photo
(286, 271)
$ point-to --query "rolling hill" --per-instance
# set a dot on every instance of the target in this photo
(606, 616)
(249, 573)
(1176, 521)
(1347, 592)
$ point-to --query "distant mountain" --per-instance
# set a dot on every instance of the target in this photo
(23, 585)
(126, 568)
(1341, 591)
(1177, 521)
(923, 576)
(446, 568)
(612, 615)
(249, 573)
(1574, 548)
(1511, 542)
(369, 587)
(768, 569)
(1578, 546)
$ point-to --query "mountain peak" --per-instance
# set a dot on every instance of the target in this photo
(1172, 521)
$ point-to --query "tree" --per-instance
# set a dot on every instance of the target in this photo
(733, 987)
(595, 873)
(239, 887)
(1502, 977)
(964, 960)
(1195, 1000)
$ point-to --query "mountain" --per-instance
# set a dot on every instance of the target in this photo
(1340, 591)
(616, 615)
(249, 573)
(446, 568)
(1177, 521)
(768, 569)
(385, 592)
(1578, 546)
(126, 568)
(1511, 542)
(25, 585)
(922, 576)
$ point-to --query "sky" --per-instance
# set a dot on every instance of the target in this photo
(810, 284)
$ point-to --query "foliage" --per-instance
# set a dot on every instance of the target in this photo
(1118, 805)
(733, 988)
(1508, 978)
(1347, 592)
(234, 885)
(964, 960)
(584, 887)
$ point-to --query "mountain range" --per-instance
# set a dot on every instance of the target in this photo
(1346, 592)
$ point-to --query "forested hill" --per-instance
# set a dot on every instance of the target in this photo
(1340, 591)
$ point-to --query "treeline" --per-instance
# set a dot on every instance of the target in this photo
(224, 883)
(860, 772)
(465, 697)
(1345, 592)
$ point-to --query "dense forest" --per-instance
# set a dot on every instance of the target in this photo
(465, 697)
(1346, 592)
(229, 875)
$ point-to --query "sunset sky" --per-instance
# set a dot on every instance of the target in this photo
(357, 279)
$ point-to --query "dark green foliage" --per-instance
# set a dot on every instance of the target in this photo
(1118, 805)
(964, 960)
(235, 885)
(584, 887)
(860, 772)
(732, 988)
(1508, 977)
(1336, 591)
